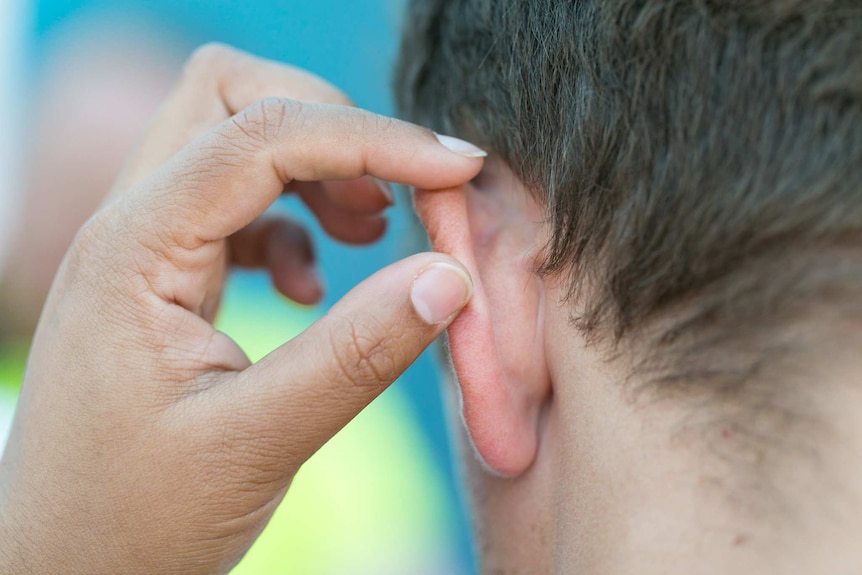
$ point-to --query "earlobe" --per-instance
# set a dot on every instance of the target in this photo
(496, 344)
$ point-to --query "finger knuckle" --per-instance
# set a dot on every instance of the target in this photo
(93, 239)
(264, 121)
(100, 259)
(363, 355)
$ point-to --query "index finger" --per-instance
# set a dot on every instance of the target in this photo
(224, 180)
(217, 82)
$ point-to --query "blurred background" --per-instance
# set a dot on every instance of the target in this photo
(78, 81)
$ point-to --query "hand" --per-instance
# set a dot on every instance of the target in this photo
(145, 441)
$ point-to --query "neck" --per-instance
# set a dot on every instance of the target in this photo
(662, 486)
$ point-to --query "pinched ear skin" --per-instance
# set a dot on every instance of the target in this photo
(497, 344)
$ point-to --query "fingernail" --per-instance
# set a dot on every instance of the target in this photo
(461, 147)
(386, 190)
(440, 291)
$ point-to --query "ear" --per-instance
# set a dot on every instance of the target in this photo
(493, 226)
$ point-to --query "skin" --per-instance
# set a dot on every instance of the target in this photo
(570, 472)
(100, 85)
(145, 441)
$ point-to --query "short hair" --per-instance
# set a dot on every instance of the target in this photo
(700, 160)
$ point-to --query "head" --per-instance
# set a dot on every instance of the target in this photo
(666, 250)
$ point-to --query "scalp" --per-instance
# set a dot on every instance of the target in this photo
(700, 164)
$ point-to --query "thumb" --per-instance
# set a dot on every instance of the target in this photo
(304, 392)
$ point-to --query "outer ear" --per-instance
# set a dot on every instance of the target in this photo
(496, 344)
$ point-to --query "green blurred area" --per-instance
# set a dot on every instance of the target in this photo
(380, 497)
(371, 501)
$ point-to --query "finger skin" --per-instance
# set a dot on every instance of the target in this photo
(342, 225)
(361, 197)
(304, 392)
(223, 181)
(144, 440)
(282, 247)
(217, 82)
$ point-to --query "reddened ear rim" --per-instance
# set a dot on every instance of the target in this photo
(502, 424)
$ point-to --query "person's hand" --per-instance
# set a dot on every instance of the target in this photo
(145, 441)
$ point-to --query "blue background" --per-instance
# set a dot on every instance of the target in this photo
(351, 44)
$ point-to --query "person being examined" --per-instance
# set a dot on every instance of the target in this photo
(656, 271)
(659, 368)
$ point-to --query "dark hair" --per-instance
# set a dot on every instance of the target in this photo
(700, 160)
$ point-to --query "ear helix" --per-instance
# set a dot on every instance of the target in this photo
(499, 413)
